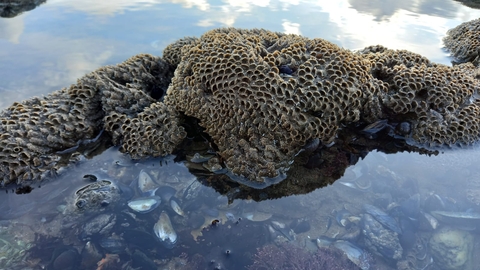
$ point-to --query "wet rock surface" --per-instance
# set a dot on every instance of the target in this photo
(452, 249)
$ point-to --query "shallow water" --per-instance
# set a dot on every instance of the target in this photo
(52, 45)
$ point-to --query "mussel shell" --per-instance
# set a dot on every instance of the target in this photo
(354, 253)
(90, 255)
(64, 258)
(198, 158)
(403, 128)
(126, 191)
(90, 177)
(285, 69)
(314, 161)
(193, 196)
(175, 205)
(464, 220)
(382, 217)
(427, 222)
(98, 225)
(324, 241)
(140, 239)
(113, 245)
(411, 206)
(144, 204)
(311, 145)
(164, 231)
(408, 236)
(342, 217)
(435, 202)
(166, 193)
(283, 230)
(372, 129)
(141, 261)
(300, 225)
(145, 184)
(257, 216)
(97, 195)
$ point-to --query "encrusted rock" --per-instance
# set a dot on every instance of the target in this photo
(437, 100)
(173, 52)
(462, 41)
(13, 8)
(262, 95)
(39, 135)
(452, 249)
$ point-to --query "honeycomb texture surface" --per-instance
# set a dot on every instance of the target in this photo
(462, 41)
(172, 54)
(39, 135)
(262, 95)
(437, 100)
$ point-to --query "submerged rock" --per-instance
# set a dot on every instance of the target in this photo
(452, 249)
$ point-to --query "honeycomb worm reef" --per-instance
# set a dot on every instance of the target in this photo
(261, 96)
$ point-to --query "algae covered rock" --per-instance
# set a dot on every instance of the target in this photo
(452, 249)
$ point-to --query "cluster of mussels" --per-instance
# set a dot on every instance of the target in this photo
(156, 219)
(260, 96)
(404, 228)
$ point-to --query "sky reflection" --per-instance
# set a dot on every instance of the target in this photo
(51, 46)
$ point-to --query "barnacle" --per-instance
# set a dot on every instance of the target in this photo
(462, 41)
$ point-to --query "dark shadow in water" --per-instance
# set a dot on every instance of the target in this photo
(13, 8)
(316, 168)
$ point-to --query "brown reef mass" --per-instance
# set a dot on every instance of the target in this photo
(262, 97)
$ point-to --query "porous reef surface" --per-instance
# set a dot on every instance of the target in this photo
(462, 41)
(261, 96)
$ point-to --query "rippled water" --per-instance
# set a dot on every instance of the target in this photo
(49, 47)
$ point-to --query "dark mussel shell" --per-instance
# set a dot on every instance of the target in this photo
(372, 129)
(411, 206)
(166, 193)
(64, 258)
(115, 245)
(98, 225)
(141, 239)
(141, 261)
(382, 217)
(90, 255)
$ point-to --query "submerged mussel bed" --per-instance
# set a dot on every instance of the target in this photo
(110, 212)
